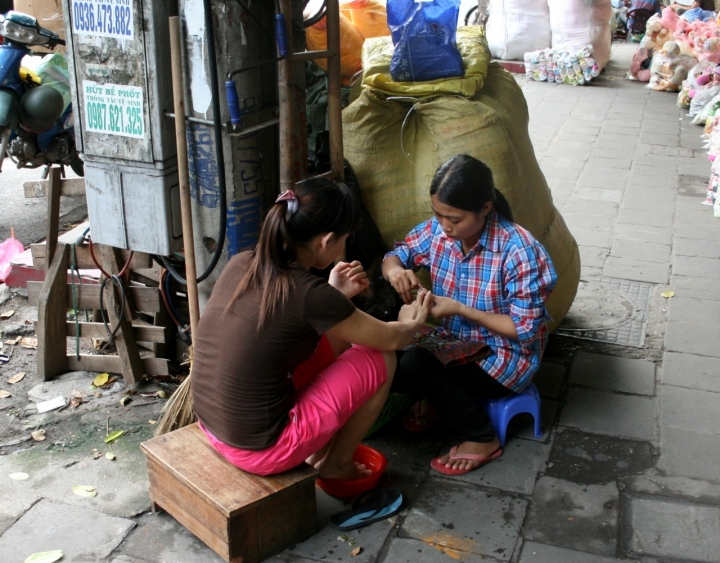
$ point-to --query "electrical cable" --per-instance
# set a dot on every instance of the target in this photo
(166, 299)
(104, 273)
(219, 154)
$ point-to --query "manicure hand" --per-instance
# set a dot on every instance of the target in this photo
(349, 278)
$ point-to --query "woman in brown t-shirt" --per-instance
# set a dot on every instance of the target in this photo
(267, 315)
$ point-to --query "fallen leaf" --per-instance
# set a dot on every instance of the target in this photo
(45, 556)
(125, 399)
(78, 394)
(151, 421)
(101, 379)
(17, 377)
(7, 314)
(97, 455)
(355, 551)
(38, 435)
(110, 456)
(343, 538)
(114, 436)
(571, 519)
(19, 476)
(5, 394)
(29, 343)
(13, 342)
(668, 294)
(161, 394)
(75, 402)
(97, 394)
(85, 491)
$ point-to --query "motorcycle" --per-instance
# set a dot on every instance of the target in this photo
(35, 127)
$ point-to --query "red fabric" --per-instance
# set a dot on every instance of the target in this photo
(321, 358)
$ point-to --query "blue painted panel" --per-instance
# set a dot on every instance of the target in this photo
(243, 225)
(202, 166)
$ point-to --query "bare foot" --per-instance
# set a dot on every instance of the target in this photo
(353, 470)
(477, 448)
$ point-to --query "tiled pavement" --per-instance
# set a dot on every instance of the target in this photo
(628, 466)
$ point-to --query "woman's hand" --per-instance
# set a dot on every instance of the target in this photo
(349, 278)
(442, 307)
(417, 311)
(404, 281)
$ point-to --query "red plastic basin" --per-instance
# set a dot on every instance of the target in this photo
(349, 488)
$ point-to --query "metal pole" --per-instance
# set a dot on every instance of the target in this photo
(286, 97)
(334, 101)
(183, 174)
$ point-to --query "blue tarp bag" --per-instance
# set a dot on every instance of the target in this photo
(423, 32)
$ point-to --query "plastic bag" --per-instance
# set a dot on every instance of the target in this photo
(424, 38)
(53, 71)
(8, 250)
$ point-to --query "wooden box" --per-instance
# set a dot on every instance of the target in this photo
(244, 518)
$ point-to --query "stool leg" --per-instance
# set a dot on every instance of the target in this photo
(538, 430)
(501, 430)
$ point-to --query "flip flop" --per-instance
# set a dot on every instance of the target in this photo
(370, 507)
(410, 420)
(483, 459)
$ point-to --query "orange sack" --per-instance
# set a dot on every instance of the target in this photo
(368, 16)
(351, 43)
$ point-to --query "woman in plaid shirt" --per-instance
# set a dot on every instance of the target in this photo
(490, 280)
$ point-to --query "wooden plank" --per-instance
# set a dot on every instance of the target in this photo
(140, 260)
(53, 216)
(112, 364)
(143, 333)
(52, 314)
(68, 186)
(125, 343)
(147, 299)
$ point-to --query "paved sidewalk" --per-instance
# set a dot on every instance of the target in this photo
(628, 466)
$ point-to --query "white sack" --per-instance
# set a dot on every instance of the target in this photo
(577, 23)
(516, 27)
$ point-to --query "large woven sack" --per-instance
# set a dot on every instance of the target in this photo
(515, 27)
(395, 144)
(577, 23)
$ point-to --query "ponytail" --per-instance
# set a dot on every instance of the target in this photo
(316, 206)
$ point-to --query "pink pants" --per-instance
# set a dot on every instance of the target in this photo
(321, 408)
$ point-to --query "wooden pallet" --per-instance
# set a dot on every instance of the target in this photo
(54, 297)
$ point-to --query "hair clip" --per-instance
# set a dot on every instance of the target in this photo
(292, 202)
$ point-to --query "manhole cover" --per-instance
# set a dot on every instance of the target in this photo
(609, 310)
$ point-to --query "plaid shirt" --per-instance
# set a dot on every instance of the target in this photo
(507, 272)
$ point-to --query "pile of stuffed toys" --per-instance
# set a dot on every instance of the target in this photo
(681, 53)
(564, 67)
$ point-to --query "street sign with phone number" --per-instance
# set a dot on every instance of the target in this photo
(106, 18)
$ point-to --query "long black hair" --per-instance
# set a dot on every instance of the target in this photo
(467, 183)
(323, 207)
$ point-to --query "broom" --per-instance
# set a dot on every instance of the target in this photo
(178, 411)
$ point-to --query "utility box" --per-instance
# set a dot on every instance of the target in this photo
(118, 53)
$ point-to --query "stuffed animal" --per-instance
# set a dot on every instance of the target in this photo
(655, 34)
(668, 69)
(640, 65)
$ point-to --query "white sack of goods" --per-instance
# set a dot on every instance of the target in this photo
(515, 27)
(577, 23)
(396, 134)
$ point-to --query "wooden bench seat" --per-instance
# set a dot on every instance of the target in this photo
(244, 518)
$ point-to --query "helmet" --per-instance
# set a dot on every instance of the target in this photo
(40, 108)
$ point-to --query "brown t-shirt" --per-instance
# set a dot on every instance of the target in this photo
(240, 383)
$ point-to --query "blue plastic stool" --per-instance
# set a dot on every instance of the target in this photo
(501, 411)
